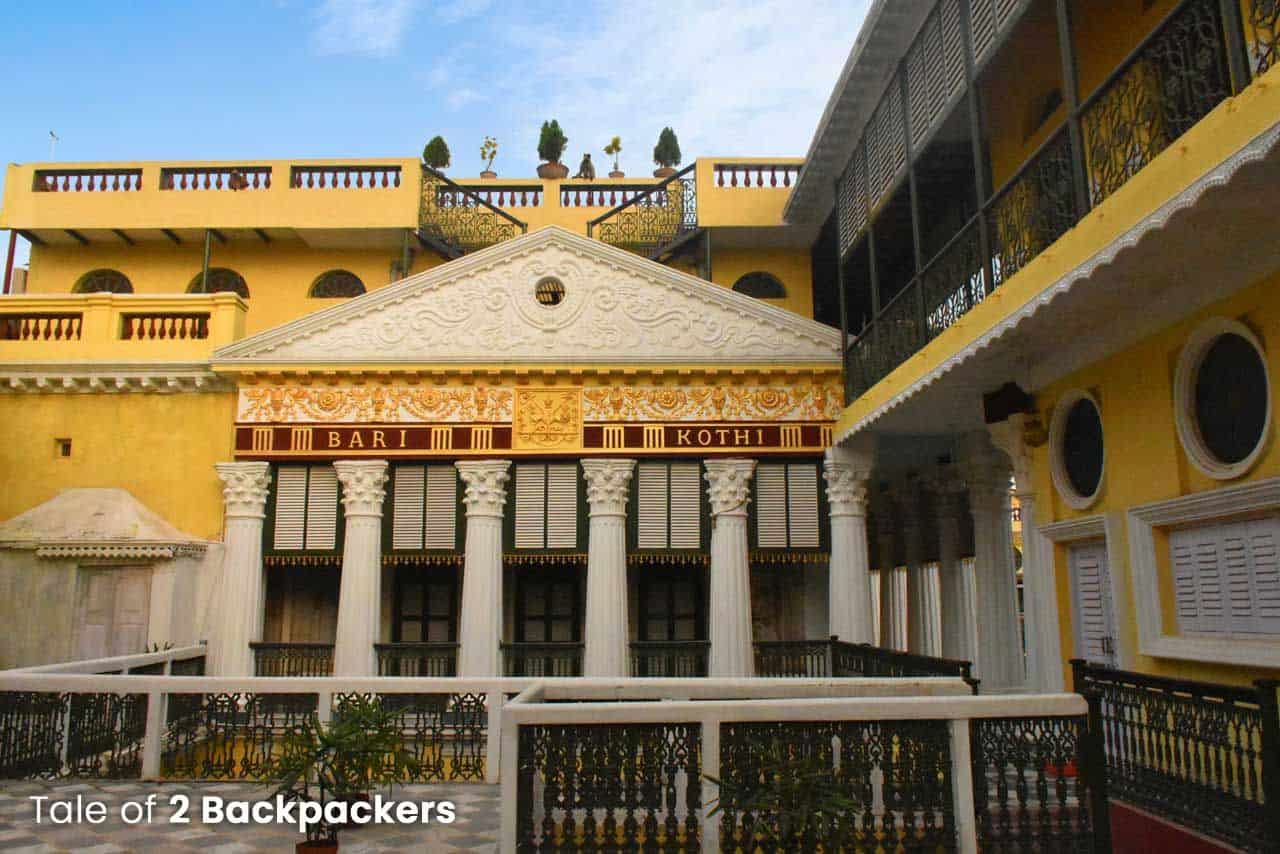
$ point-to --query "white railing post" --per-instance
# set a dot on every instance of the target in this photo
(153, 739)
(710, 792)
(324, 706)
(493, 744)
(509, 756)
(962, 788)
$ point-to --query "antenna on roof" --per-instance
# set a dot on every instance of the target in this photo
(53, 144)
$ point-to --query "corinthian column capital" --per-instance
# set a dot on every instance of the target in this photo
(729, 486)
(245, 487)
(363, 486)
(486, 486)
(846, 488)
(608, 484)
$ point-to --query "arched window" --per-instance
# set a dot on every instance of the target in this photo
(103, 282)
(761, 286)
(336, 283)
(220, 279)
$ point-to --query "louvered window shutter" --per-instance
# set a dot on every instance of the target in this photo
(771, 506)
(291, 507)
(686, 505)
(1266, 575)
(982, 17)
(322, 508)
(406, 507)
(1089, 580)
(562, 506)
(651, 506)
(1227, 577)
(441, 506)
(802, 506)
(531, 495)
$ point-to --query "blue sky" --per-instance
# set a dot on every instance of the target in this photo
(370, 78)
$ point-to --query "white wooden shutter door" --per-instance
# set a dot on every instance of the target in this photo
(771, 506)
(651, 506)
(291, 507)
(686, 505)
(982, 18)
(562, 506)
(802, 505)
(1089, 581)
(531, 490)
(406, 507)
(322, 508)
(441, 521)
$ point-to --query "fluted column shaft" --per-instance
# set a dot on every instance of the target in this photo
(607, 650)
(360, 593)
(729, 487)
(893, 580)
(849, 589)
(243, 590)
(480, 623)
(959, 621)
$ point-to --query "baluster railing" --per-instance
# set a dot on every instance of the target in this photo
(87, 180)
(164, 326)
(417, 659)
(600, 195)
(501, 196)
(769, 176)
(542, 659)
(652, 220)
(669, 658)
(345, 177)
(231, 178)
(22, 326)
(292, 659)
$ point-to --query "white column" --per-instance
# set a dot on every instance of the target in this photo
(480, 622)
(849, 590)
(729, 487)
(893, 605)
(959, 620)
(243, 591)
(912, 515)
(360, 593)
(1039, 589)
(999, 662)
(607, 650)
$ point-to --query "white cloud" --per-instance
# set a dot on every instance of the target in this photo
(461, 9)
(361, 27)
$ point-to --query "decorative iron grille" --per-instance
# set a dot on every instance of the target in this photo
(417, 659)
(229, 736)
(653, 220)
(50, 735)
(292, 659)
(954, 282)
(445, 733)
(676, 659)
(457, 220)
(1033, 210)
(1264, 27)
(542, 659)
(609, 787)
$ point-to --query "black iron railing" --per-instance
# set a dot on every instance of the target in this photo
(542, 659)
(417, 659)
(1174, 78)
(292, 659)
(1201, 755)
(819, 659)
(455, 220)
(654, 221)
(50, 735)
(669, 658)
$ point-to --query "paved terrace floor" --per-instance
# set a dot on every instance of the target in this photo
(476, 827)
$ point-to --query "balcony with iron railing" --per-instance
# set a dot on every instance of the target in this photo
(1178, 74)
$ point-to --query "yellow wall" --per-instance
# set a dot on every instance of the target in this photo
(160, 447)
(1145, 461)
(790, 266)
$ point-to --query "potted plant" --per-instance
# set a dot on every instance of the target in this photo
(346, 759)
(666, 154)
(551, 145)
(613, 149)
(488, 151)
(436, 154)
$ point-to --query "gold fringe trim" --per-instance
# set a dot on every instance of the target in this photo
(669, 558)
(301, 560)
(543, 559)
(450, 559)
(780, 558)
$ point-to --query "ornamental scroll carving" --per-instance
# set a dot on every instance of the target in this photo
(846, 488)
(486, 486)
(375, 404)
(802, 402)
(548, 418)
(363, 486)
(245, 487)
(608, 485)
(729, 486)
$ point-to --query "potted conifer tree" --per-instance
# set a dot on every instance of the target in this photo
(436, 154)
(666, 154)
(551, 145)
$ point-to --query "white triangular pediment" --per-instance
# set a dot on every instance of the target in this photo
(617, 308)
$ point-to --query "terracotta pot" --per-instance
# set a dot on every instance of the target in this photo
(617, 173)
(488, 174)
(321, 846)
(553, 171)
(664, 172)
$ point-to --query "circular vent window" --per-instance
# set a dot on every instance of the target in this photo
(1223, 398)
(1077, 449)
(549, 291)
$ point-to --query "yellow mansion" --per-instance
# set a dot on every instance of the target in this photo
(359, 417)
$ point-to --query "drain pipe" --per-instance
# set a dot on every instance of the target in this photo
(7, 284)
(204, 270)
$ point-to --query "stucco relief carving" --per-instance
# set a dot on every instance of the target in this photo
(375, 404)
(486, 486)
(245, 487)
(729, 486)
(624, 309)
(608, 485)
(548, 418)
(803, 402)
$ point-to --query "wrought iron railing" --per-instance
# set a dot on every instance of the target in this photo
(818, 659)
(1201, 755)
(810, 659)
(292, 659)
(54, 735)
(654, 220)
(1174, 77)
(669, 658)
(417, 659)
(455, 220)
(542, 659)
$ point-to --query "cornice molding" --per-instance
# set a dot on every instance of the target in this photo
(111, 378)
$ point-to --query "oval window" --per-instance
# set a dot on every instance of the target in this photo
(1078, 449)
